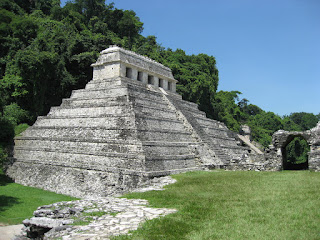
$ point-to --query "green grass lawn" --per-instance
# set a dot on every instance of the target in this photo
(211, 205)
(18, 202)
(236, 205)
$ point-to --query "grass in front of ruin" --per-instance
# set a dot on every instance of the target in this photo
(236, 205)
(18, 202)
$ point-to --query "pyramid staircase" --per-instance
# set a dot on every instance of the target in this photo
(220, 140)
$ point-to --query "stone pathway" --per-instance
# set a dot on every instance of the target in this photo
(8, 232)
(108, 216)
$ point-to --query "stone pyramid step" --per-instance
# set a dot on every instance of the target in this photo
(100, 93)
(163, 134)
(148, 95)
(196, 113)
(139, 101)
(185, 105)
(147, 123)
(90, 146)
(101, 111)
(63, 157)
(221, 137)
(169, 162)
(112, 121)
(95, 102)
(210, 123)
(154, 112)
(174, 95)
(166, 148)
(81, 133)
(104, 83)
(214, 130)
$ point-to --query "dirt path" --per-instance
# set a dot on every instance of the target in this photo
(9, 231)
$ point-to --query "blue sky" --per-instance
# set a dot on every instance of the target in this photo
(267, 49)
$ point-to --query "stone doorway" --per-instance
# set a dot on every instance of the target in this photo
(295, 152)
(281, 139)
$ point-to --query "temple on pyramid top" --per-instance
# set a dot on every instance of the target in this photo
(118, 62)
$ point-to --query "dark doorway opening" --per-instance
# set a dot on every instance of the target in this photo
(295, 153)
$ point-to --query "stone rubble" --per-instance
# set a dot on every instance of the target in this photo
(108, 216)
(156, 184)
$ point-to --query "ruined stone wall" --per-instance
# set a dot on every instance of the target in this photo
(281, 138)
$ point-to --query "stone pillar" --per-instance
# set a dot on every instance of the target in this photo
(173, 87)
(155, 81)
(134, 74)
(165, 84)
(145, 77)
(122, 70)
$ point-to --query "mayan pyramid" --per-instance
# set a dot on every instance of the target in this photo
(127, 125)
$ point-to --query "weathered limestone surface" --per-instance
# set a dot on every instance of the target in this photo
(126, 126)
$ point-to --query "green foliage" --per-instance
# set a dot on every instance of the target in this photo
(304, 120)
(15, 114)
(261, 135)
(20, 128)
(297, 151)
(263, 125)
(226, 109)
(6, 138)
(7, 130)
(12, 6)
(3, 156)
(46, 50)
(197, 77)
(290, 125)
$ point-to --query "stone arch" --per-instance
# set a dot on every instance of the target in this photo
(281, 139)
(285, 164)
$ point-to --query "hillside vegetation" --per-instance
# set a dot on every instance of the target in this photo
(46, 51)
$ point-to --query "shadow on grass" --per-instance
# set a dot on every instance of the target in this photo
(4, 180)
(7, 202)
